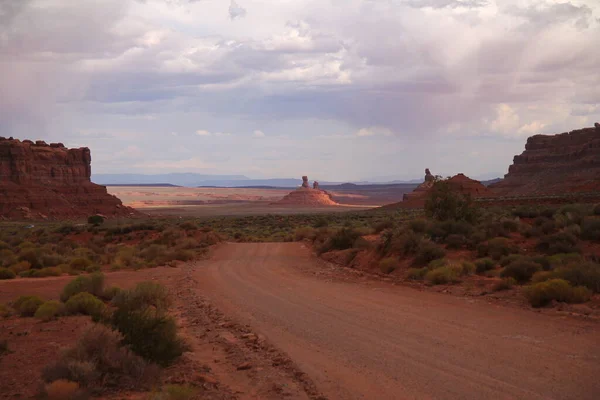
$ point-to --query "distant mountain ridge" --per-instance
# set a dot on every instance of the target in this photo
(232, 181)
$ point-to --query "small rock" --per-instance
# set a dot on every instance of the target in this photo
(244, 366)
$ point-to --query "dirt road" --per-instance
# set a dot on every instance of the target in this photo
(378, 341)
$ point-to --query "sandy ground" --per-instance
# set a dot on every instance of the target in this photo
(378, 341)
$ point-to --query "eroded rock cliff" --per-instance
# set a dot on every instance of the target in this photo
(555, 165)
(40, 180)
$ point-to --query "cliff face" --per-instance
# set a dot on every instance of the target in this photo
(38, 180)
(555, 164)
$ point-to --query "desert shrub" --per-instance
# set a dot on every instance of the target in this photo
(383, 225)
(183, 255)
(428, 252)
(80, 263)
(417, 274)
(442, 262)
(52, 260)
(50, 310)
(343, 239)
(561, 242)
(525, 212)
(145, 294)
(388, 265)
(504, 261)
(521, 270)
(468, 268)
(108, 294)
(562, 259)
(86, 304)
(99, 361)
(443, 203)
(63, 389)
(581, 274)
(5, 311)
(542, 261)
(305, 232)
(362, 244)
(32, 256)
(484, 264)
(419, 225)
(455, 241)
(443, 275)
(7, 258)
(597, 209)
(541, 294)
(504, 284)
(93, 284)
(590, 229)
(175, 392)
(27, 305)
(495, 248)
(49, 271)
(149, 333)
(6, 273)
(542, 276)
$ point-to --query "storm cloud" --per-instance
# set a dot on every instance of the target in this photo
(444, 77)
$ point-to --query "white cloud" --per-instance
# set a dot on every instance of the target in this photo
(203, 132)
(532, 128)
(373, 131)
(507, 120)
(258, 133)
(235, 11)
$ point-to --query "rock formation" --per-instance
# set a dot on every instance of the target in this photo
(40, 180)
(459, 183)
(555, 165)
(306, 197)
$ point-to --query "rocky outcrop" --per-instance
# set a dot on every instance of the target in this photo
(459, 183)
(555, 165)
(304, 196)
(40, 180)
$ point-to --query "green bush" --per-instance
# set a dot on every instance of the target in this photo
(521, 270)
(100, 363)
(590, 229)
(443, 203)
(50, 310)
(442, 275)
(388, 265)
(27, 305)
(175, 392)
(504, 284)
(5, 311)
(495, 248)
(86, 304)
(419, 225)
(504, 261)
(581, 274)
(428, 252)
(19, 267)
(417, 274)
(468, 268)
(305, 232)
(45, 272)
(383, 225)
(6, 273)
(93, 284)
(145, 294)
(80, 263)
(95, 219)
(455, 241)
(110, 293)
(343, 239)
(149, 333)
(32, 256)
(541, 294)
(561, 242)
(484, 264)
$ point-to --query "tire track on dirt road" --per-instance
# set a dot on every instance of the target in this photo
(394, 342)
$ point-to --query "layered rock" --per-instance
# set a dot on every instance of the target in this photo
(39, 180)
(304, 196)
(555, 165)
(459, 183)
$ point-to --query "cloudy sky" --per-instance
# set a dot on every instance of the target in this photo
(336, 89)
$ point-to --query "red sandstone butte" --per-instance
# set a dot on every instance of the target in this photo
(555, 165)
(40, 180)
(306, 197)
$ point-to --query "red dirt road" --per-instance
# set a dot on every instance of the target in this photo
(378, 341)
